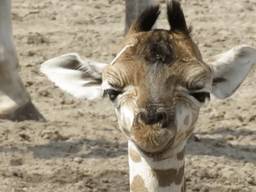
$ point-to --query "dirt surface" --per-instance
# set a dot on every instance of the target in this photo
(80, 149)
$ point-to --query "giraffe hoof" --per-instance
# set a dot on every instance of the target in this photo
(25, 112)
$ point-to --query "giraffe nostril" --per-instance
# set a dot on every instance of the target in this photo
(160, 116)
(151, 118)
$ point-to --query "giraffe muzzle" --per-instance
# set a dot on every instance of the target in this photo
(153, 130)
(164, 118)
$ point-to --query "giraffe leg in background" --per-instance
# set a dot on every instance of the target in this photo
(15, 102)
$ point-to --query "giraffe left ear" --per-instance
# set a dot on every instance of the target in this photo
(231, 68)
(80, 78)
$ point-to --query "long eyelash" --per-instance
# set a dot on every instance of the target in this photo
(201, 96)
(107, 92)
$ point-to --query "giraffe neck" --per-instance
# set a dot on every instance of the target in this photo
(162, 174)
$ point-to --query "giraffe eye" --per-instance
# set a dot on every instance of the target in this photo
(112, 93)
(201, 96)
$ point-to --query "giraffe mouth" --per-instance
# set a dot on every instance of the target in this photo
(153, 138)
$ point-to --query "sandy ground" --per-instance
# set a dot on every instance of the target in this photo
(80, 149)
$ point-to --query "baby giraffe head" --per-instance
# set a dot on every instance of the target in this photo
(158, 82)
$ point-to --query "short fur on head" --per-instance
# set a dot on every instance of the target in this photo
(157, 45)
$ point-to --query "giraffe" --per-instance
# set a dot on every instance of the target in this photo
(157, 84)
(15, 102)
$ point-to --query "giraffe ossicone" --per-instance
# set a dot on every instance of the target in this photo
(157, 87)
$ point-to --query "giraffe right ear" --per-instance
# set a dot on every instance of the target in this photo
(80, 78)
(230, 70)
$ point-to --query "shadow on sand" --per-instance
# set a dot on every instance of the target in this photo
(88, 148)
(221, 147)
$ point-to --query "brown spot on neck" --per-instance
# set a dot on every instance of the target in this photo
(167, 177)
(134, 155)
(138, 185)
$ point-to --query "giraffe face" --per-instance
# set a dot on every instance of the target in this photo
(157, 85)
